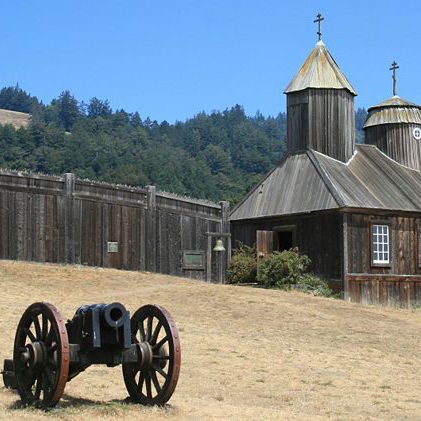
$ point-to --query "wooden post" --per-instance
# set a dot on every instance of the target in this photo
(225, 208)
(69, 242)
(20, 238)
(345, 255)
(209, 260)
(225, 228)
(150, 246)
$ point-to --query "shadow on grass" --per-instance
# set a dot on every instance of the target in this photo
(68, 401)
(71, 402)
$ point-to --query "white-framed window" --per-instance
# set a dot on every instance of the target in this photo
(381, 244)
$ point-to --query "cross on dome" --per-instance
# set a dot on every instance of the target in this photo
(319, 21)
(393, 68)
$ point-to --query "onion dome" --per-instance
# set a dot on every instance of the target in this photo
(394, 110)
(394, 126)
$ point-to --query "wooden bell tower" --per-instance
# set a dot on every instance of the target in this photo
(320, 106)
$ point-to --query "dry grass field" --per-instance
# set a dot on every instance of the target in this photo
(14, 118)
(246, 353)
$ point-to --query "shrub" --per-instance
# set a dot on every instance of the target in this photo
(312, 284)
(288, 270)
(282, 269)
(243, 267)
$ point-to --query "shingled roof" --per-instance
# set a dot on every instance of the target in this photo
(311, 181)
(393, 110)
(319, 71)
(395, 101)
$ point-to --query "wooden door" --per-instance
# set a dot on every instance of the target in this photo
(265, 243)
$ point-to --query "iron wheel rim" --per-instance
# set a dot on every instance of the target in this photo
(41, 327)
(155, 326)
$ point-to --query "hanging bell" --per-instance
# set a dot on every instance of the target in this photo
(219, 246)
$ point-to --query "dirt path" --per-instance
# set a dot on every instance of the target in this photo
(247, 353)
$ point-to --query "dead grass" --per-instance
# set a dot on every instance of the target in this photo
(247, 353)
(14, 118)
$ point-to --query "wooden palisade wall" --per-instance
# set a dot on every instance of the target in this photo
(62, 219)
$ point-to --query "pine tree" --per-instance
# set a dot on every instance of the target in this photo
(67, 109)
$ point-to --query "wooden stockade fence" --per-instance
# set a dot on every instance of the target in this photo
(67, 220)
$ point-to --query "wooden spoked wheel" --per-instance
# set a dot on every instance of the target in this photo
(41, 355)
(152, 380)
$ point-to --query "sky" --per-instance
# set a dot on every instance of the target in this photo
(170, 60)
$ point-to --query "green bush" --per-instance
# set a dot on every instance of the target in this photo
(243, 267)
(288, 270)
(312, 284)
(282, 269)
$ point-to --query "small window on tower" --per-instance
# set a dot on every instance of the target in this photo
(380, 251)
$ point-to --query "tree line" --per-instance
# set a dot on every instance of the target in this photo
(216, 156)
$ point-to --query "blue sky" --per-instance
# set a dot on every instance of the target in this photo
(172, 59)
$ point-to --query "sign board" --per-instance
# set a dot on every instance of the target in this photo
(194, 259)
(112, 247)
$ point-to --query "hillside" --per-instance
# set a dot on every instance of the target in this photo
(216, 156)
(15, 118)
(246, 353)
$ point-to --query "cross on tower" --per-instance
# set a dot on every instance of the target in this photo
(319, 20)
(393, 68)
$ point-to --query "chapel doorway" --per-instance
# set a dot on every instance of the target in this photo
(284, 240)
(285, 237)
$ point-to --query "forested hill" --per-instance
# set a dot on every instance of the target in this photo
(216, 156)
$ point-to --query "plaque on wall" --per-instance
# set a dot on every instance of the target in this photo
(112, 247)
(194, 260)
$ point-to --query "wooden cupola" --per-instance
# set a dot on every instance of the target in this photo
(320, 107)
(394, 126)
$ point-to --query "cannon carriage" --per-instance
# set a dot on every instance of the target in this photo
(49, 352)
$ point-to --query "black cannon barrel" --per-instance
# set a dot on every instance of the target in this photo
(113, 315)
(96, 325)
(109, 315)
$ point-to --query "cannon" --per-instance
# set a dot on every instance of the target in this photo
(48, 352)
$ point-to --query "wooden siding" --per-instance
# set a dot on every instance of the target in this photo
(318, 236)
(397, 284)
(403, 244)
(323, 120)
(397, 291)
(61, 219)
(396, 141)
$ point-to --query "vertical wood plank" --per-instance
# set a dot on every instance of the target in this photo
(69, 217)
(151, 228)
